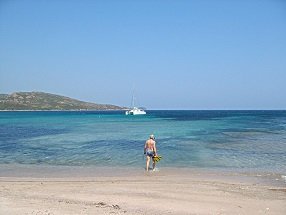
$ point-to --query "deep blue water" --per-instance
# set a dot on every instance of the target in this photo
(202, 139)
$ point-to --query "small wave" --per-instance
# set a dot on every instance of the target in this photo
(156, 170)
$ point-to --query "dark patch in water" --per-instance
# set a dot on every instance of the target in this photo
(13, 132)
(189, 115)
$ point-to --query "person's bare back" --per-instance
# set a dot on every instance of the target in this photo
(150, 144)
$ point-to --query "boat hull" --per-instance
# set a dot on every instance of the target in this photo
(135, 111)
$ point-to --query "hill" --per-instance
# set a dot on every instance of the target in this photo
(47, 101)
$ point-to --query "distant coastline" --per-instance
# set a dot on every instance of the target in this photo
(111, 110)
(41, 101)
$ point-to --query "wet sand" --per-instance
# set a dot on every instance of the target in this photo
(70, 190)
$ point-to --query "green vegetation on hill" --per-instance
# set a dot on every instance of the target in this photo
(47, 101)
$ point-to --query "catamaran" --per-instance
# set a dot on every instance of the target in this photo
(135, 110)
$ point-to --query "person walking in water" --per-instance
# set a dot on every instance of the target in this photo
(150, 151)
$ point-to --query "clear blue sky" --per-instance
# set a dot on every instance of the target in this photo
(201, 54)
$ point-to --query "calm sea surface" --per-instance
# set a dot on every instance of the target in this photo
(244, 140)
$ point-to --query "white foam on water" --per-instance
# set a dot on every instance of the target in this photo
(155, 170)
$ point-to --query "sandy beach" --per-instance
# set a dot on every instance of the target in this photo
(168, 191)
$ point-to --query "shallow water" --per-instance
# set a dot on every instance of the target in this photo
(231, 140)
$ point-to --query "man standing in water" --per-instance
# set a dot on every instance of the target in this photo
(150, 151)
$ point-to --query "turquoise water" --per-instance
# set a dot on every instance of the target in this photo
(243, 140)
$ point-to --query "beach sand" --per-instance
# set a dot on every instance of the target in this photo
(167, 191)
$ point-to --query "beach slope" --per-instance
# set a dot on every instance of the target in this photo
(149, 193)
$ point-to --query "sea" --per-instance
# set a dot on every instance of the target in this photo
(208, 139)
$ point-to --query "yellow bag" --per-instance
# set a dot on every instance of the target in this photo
(157, 158)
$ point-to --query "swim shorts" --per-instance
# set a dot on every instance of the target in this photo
(149, 153)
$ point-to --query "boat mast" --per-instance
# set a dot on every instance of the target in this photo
(133, 101)
(133, 98)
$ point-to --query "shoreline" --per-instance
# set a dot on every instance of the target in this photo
(43, 170)
(133, 191)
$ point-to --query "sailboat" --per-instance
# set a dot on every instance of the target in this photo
(135, 110)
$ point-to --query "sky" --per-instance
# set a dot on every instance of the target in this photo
(183, 54)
